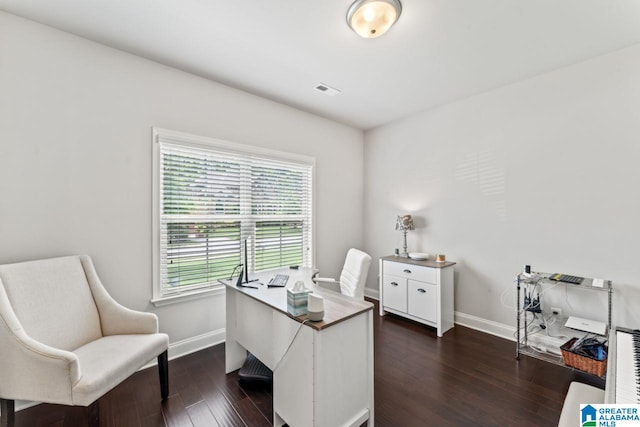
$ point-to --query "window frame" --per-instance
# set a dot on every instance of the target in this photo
(214, 144)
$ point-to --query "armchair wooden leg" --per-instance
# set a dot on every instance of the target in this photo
(163, 370)
(7, 412)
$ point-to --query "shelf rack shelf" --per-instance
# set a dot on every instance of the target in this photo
(523, 345)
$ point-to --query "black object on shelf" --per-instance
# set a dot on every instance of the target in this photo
(576, 280)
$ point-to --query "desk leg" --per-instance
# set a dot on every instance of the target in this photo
(234, 353)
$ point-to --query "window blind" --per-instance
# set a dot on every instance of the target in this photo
(212, 199)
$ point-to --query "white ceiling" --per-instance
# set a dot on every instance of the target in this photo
(439, 51)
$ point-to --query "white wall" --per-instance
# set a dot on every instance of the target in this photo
(75, 159)
(542, 172)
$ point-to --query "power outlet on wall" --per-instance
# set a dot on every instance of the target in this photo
(556, 311)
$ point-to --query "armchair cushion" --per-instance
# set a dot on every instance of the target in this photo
(108, 361)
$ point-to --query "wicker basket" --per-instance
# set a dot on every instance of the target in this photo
(583, 363)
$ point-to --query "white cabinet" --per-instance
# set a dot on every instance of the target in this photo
(419, 290)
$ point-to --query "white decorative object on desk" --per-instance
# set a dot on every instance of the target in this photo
(315, 308)
(418, 256)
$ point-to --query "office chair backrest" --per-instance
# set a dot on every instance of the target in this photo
(354, 273)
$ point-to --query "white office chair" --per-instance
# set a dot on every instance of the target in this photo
(354, 274)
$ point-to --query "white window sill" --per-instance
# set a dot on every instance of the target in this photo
(188, 296)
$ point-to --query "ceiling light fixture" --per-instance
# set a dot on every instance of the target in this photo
(372, 18)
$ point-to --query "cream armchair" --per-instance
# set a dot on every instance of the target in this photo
(64, 340)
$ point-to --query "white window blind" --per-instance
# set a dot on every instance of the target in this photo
(214, 197)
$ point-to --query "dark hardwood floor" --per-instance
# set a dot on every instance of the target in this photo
(465, 378)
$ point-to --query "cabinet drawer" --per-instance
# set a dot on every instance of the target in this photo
(423, 300)
(394, 292)
(409, 271)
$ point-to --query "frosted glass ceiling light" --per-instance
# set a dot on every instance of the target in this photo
(372, 18)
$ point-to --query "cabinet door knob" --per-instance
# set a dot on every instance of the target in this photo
(407, 271)
(421, 290)
(394, 284)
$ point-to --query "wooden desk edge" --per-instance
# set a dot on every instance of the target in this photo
(332, 300)
(323, 325)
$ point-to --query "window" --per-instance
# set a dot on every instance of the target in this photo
(212, 197)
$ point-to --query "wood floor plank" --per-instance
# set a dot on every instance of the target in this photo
(250, 413)
(201, 415)
(219, 406)
(260, 395)
(127, 415)
(147, 395)
(223, 411)
(154, 420)
(175, 413)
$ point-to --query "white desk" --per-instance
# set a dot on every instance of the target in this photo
(326, 377)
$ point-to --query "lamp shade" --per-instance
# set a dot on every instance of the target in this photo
(404, 222)
(372, 18)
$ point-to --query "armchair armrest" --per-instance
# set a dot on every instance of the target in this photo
(29, 369)
(116, 319)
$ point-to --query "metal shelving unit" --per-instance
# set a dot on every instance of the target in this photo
(542, 279)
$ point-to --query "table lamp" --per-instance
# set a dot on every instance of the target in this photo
(404, 223)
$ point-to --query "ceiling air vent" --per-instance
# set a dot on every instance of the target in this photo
(326, 89)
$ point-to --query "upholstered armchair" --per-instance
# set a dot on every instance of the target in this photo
(64, 340)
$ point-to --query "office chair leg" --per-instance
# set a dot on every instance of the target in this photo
(7, 412)
(163, 370)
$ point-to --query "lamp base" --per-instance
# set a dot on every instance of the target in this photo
(405, 252)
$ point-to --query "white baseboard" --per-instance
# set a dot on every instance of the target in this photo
(197, 343)
(372, 293)
(540, 341)
(191, 345)
(486, 326)
(463, 319)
